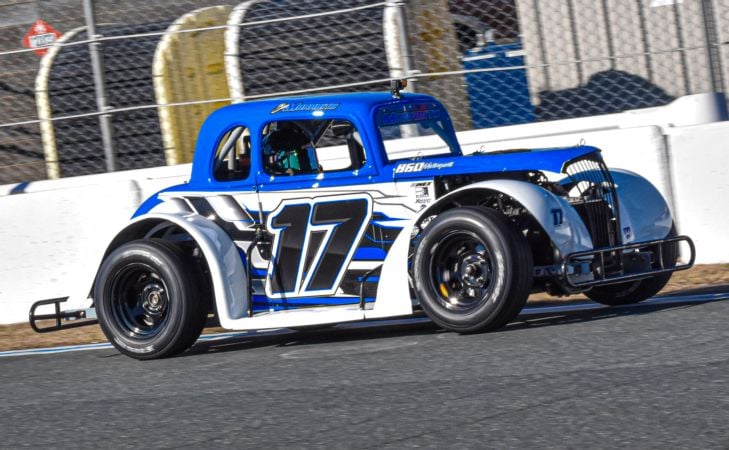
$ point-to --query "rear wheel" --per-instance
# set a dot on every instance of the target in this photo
(637, 291)
(148, 299)
(472, 271)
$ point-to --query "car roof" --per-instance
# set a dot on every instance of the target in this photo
(256, 113)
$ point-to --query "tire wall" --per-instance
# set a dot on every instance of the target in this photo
(189, 67)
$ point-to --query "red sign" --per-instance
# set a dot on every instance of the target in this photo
(40, 34)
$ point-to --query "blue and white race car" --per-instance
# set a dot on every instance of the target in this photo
(326, 209)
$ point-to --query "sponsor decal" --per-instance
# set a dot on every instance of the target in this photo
(420, 166)
(422, 194)
(392, 118)
(293, 107)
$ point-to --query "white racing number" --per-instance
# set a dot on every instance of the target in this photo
(314, 241)
(420, 166)
(410, 167)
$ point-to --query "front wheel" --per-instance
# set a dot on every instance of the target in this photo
(148, 299)
(472, 271)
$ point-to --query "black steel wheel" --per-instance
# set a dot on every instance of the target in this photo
(148, 299)
(636, 291)
(461, 270)
(472, 272)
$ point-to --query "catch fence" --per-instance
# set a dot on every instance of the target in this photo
(133, 92)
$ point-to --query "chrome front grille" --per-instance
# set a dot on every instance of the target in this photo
(592, 193)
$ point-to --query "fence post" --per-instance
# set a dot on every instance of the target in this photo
(712, 46)
(401, 20)
(97, 68)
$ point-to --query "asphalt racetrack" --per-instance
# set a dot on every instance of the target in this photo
(649, 376)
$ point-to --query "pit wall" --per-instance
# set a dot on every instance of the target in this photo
(49, 229)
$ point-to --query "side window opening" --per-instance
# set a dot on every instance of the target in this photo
(311, 146)
(233, 155)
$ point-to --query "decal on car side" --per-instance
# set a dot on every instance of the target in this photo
(420, 166)
(205, 206)
(291, 107)
(314, 242)
(424, 194)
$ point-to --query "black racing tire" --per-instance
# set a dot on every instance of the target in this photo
(148, 299)
(636, 291)
(472, 270)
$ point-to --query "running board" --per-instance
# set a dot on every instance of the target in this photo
(303, 317)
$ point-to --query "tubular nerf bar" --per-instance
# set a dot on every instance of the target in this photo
(64, 319)
(598, 263)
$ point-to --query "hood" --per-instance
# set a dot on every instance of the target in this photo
(549, 160)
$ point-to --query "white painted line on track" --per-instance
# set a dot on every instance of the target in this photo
(106, 345)
(528, 311)
(588, 305)
(50, 350)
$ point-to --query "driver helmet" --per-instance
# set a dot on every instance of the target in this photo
(285, 150)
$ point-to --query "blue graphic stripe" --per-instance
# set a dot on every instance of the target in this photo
(262, 303)
(369, 254)
(258, 273)
(304, 301)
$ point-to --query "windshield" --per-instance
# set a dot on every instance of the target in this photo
(416, 130)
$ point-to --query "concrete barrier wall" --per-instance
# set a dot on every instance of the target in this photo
(50, 231)
(699, 161)
(48, 238)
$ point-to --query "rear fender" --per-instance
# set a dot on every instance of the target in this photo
(225, 261)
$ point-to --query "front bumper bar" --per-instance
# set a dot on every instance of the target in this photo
(598, 258)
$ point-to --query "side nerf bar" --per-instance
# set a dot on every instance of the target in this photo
(64, 319)
(598, 262)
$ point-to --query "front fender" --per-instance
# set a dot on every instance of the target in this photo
(227, 270)
(644, 213)
(555, 215)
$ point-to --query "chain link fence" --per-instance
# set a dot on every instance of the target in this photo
(165, 65)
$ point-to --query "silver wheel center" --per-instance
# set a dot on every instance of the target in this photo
(154, 299)
(474, 271)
